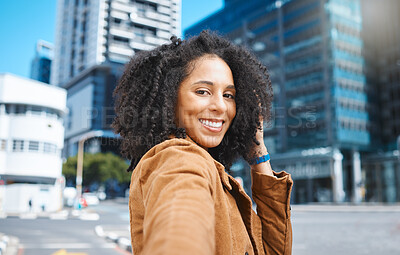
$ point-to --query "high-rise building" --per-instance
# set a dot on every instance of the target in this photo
(41, 63)
(91, 32)
(94, 40)
(313, 49)
(381, 35)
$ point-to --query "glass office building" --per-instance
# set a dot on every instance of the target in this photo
(41, 63)
(91, 32)
(313, 50)
(381, 36)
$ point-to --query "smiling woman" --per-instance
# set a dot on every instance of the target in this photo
(186, 110)
(206, 101)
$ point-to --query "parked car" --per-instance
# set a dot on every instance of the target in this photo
(101, 195)
(91, 198)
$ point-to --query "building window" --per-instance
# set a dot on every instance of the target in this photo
(83, 39)
(52, 113)
(117, 21)
(36, 110)
(49, 148)
(3, 145)
(142, 31)
(20, 109)
(69, 118)
(33, 146)
(18, 145)
(71, 70)
(142, 6)
(8, 109)
(121, 40)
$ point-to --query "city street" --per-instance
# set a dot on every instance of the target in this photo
(317, 229)
(77, 235)
(354, 230)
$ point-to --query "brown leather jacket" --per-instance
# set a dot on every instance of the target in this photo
(183, 202)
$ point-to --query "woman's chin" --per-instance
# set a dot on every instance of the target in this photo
(209, 142)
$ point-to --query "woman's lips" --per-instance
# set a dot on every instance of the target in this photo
(212, 124)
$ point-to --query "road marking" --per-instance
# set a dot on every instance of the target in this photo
(89, 216)
(64, 252)
(112, 236)
(59, 216)
(99, 230)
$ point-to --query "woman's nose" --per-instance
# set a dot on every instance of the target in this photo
(218, 103)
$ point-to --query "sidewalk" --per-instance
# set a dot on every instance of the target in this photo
(69, 213)
(329, 207)
(9, 245)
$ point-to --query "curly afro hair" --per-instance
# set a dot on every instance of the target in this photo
(147, 92)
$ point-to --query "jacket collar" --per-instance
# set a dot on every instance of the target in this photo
(221, 169)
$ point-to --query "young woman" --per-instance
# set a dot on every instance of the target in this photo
(186, 111)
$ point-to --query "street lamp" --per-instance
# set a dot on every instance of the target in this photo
(79, 162)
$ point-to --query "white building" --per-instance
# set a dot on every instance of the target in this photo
(91, 32)
(31, 140)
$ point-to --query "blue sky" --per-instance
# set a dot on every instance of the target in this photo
(24, 22)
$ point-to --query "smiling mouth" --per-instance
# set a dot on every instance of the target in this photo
(212, 125)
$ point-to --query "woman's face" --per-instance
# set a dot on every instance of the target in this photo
(206, 101)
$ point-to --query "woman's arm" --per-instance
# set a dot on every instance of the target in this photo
(258, 151)
(271, 192)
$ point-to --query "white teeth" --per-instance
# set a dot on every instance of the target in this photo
(211, 123)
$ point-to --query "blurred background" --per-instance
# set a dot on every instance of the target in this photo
(335, 71)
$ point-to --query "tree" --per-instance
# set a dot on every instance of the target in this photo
(97, 168)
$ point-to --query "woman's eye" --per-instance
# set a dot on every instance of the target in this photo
(230, 96)
(202, 92)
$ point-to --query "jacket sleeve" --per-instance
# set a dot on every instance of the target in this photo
(272, 196)
(179, 205)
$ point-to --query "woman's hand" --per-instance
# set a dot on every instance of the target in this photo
(260, 150)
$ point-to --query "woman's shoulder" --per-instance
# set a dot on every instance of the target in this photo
(178, 146)
(176, 153)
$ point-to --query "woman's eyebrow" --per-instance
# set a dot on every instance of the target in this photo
(204, 82)
(211, 83)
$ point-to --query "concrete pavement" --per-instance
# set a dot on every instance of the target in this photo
(363, 207)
